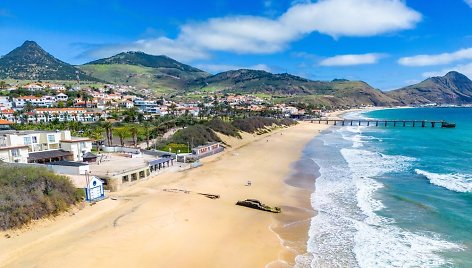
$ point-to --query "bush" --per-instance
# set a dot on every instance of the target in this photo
(30, 193)
(225, 128)
(254, 124)
(195, 135)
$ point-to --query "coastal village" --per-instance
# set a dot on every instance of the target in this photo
(114, 163)
(45, 102)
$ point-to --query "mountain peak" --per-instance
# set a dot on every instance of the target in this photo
(31, 62)
(453, 75)
(30, 44)
(139, 58)
(453, 88)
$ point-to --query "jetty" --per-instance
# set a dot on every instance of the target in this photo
(385, 123)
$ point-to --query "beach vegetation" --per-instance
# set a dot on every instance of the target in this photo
(31, 193)
(255, 124)
(225, 128)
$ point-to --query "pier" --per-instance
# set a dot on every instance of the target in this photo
(385, 123)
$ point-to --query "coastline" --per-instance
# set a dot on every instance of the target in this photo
(148, 227)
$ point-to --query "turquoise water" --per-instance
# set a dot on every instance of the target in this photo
(394, 197)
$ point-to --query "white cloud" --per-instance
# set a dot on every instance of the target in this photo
(351, 17)
(438, 59)
(218, 68)
(469, 2)
(158, 46)
(349, 60)
(260, 35)
(465, 69)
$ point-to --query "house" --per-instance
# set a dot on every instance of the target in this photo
(208, 149)
(127, 104)
(7, 114)
(62, 97)
(64, 114)
(44, 101)
(42, 146)
(14, 154)
(56, 87)
(5, 103)
(78, 146)
(5, 124)
(146, 106)
(33, 87)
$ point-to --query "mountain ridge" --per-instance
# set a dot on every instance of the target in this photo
(452, 88)
(167, 76)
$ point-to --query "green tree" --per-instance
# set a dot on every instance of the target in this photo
(134, 131)
(122, 133)
(147, 130)
(97, 135)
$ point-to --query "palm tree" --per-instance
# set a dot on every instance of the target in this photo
(47, 115)
(97, 135)
(108, 126)
(122, 133)
(147, 129)
(134, 130)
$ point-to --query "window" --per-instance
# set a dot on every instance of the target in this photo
(51, 138)
(35, 139)
(15, 152)
(27, 140)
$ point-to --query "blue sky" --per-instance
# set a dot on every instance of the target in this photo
(387, 43)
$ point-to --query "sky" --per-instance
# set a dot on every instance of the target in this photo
(387, 43)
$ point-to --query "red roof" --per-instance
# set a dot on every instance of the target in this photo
(5, 122)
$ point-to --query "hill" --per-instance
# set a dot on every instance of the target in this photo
(453, 88)
(31, 62)
(293, 88)
(144, 71)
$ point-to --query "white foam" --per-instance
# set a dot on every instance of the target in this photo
(377, 241)
(455, 182)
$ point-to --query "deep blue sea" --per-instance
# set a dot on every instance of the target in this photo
(394, 197)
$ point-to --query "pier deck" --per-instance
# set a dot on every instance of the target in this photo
(385, 123)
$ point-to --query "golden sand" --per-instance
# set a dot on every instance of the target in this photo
(148, 227)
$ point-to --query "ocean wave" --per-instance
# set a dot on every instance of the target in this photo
(391, 246)
(377, 241)
(455, 182)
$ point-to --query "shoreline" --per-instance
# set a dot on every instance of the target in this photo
(148, 227)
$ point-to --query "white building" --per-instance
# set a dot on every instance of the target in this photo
(5, 103)
(62, 97)
(42, 146)
(44, 101)
(62, 114)
(33, 87)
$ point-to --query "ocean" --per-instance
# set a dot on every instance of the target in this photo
(393, 197)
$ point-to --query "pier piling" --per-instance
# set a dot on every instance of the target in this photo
(385, 123)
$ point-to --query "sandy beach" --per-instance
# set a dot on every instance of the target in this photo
(145, 226)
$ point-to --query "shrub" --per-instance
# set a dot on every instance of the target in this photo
(225, 128)
(30, 193)
(195, 135)
(253, 124)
